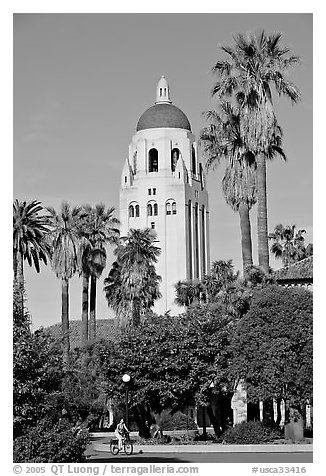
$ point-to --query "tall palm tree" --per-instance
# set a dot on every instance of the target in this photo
(100, 228)
(30, 231)
(255, 64)
(30, 240)
(288, 244)
(222, 139)
(133, 274)
(66, 258)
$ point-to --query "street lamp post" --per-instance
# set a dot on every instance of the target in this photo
(126, 380)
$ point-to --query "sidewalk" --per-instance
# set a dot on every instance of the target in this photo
(212, 448)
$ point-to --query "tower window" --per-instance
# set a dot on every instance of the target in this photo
(171, 207)
(193, 156)
(131, 211)
(175, 153)
(160, 91)
(152, 225)
(149, 210)
(126, 178)
(155, 207)
(153, 160)
(154, 191)
(149, 191)
(137, 210)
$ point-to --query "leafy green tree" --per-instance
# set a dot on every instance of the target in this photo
(255, 64)
(99, 227)
(66, 258)
(37, 370)
(172, 361)
(272, 346)
(135, 275)
(38, 395)
(288, 244)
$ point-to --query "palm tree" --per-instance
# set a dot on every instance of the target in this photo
(133, 277)
(30, 240)
(288, 244)
(188, 292)
(30, 232)
(85, 273)
(66, 258)
(254, 65)
(222, 139)
(99, 228)
(239, 188)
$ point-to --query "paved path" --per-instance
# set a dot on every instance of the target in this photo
(99, 451)
(165, 458)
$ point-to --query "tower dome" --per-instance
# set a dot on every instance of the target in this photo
(163, 114)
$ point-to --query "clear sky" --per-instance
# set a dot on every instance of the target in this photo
(81, 82)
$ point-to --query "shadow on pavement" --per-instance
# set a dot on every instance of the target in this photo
(137, 458)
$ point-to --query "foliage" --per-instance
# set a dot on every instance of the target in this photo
(44, 444)
(250, 433)
(172, 360)
(253, 65)
(98, 228)
(37, 375)
(176, 421)
(221, 138)
(189, 292)
(133, 285)
(221, 276)
(30, 230)
(66, 241)
(21, 317)
(272, 345)
(39, 391)
(256, 277)
(83, 387)
(288, 244)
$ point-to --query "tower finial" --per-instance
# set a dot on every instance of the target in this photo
(162, 91)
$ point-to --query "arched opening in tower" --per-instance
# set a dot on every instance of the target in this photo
(153, 160)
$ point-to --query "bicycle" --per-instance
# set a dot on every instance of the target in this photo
(127, 445)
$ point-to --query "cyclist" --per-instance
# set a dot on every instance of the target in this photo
(120, 432)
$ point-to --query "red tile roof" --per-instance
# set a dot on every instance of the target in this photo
(302, 271)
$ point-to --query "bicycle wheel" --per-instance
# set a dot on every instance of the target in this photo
(129, 448)
(114, 447)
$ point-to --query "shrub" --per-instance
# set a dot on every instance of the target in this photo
(249, 433)
(176, 421)
(56, 445)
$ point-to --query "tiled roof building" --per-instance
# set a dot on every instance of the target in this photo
(297, 274)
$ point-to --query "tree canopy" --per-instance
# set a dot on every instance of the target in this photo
(272, 345)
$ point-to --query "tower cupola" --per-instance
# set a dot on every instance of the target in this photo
(163, 91)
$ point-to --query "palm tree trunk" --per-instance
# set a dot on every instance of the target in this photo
(65, 319)
(84, 337)
(246, 244)
(92, 309)
(263, 255)
(135, 312)
(19, 278)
